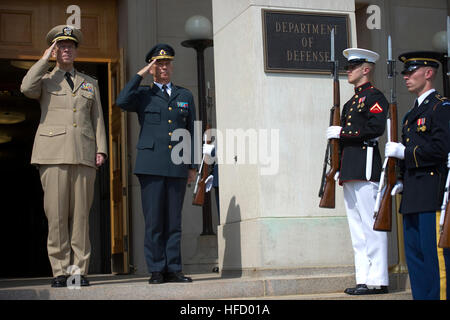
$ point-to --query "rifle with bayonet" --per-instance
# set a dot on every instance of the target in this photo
(383, 202)
(200, 182)
(444, 228)
(327, 191)
(444, 223)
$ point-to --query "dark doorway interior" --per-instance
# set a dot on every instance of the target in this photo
(23, 226)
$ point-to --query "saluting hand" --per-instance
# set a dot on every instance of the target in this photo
(49, 52)
(144, 71)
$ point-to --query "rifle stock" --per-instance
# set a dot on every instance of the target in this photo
(444, 239)
(328, 198)
(199, 196)
(444, 228)
(383, 220)
(200, 186)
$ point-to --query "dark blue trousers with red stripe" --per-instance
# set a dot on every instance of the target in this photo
(428, 265)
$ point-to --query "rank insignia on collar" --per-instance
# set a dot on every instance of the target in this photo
(376, 108)
(183, 105)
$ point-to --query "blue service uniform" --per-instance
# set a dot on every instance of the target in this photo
(163, 181)
(426, 137)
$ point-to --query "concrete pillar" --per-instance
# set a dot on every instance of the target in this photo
(270, 219)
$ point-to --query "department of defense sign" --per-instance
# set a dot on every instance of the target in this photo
(299, 42)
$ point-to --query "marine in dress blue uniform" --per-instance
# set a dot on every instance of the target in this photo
(363, 121)
(161, 109)
(423, 156)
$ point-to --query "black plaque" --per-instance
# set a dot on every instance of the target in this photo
(299, 42)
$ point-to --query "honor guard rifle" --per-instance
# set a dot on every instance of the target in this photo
(444, 228)
(383, 203)
(200, 182)
(444, 223)
(327, 191)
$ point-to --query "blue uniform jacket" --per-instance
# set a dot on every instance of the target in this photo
(425, 134)
(159, 117)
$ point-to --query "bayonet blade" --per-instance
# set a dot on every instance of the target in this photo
(389, 48)
(448, 36)
(332, 45)
(448, 42)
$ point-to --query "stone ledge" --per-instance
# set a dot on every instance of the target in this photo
(204, 286)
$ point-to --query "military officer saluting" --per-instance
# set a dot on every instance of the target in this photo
(423, 153)
(161, 109)
(69, 145)
(363, 121)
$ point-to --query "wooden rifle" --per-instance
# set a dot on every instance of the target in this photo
(200, 182)
(383, 207)
(327, 191)
(444, 228)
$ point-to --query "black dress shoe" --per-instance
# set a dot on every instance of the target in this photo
(365, 290)
(176, 277)
(59, 282)
(84, 282)
(352, 290)
(157, 277)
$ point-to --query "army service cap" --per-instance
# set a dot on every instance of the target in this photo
(356, 56)
(64, 32)
(417, 59)
(160, 51)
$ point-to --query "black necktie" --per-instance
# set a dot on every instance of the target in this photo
(416, 104)
(69, 80)
(164, 89)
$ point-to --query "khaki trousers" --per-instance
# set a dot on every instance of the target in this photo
(68, 197)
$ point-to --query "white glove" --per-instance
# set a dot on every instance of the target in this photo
(397, 188)
(334, 132)
(336, 176)
(208, 149)
(208, 183)
(448, 162)
(395, 150)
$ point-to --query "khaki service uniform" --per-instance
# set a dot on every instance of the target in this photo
(70, 134)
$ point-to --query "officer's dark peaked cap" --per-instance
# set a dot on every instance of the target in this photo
(417, 59)
(160, 51)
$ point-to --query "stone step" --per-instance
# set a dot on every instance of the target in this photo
(204, 286)
(396, 295)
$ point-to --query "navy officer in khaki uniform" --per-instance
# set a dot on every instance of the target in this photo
(161, 109)
(363, 121)
(423, 153)
(70, 144)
